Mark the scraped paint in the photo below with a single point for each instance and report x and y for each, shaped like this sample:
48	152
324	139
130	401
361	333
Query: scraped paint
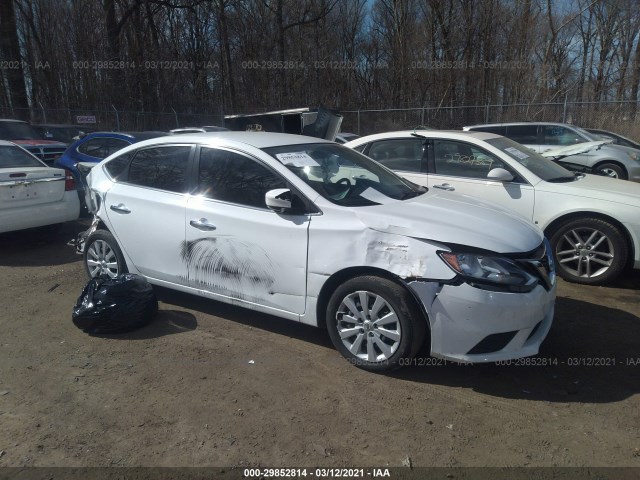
229	266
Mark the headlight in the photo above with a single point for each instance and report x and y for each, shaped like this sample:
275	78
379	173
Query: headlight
484	271
633	156
548	253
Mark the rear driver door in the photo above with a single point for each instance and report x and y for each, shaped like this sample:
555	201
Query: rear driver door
146	207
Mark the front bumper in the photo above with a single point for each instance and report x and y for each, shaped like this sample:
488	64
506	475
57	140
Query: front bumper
469	324
634	172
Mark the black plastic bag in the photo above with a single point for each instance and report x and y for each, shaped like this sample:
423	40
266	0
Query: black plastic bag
115	305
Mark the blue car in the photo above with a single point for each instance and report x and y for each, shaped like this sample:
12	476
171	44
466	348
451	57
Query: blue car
94	147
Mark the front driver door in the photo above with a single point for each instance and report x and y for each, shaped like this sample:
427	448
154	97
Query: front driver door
235	246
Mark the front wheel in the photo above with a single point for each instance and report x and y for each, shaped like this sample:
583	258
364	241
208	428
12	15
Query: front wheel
612	170
374	323
591	251
102	255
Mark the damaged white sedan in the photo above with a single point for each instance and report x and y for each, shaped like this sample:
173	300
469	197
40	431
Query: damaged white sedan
314	232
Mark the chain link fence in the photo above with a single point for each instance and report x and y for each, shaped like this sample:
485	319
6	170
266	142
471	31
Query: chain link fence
114	120
620	117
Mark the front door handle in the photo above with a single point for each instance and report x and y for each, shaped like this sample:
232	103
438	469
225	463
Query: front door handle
120	208
202	224
445	186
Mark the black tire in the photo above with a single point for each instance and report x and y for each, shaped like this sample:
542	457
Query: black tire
612	170
581	261
92	252
396	299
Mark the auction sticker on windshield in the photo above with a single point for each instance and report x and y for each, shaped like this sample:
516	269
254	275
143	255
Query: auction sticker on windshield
516	153
297	159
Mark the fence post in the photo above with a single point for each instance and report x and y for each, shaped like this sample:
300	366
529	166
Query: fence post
44	114
358	132
117	118
564	111
486	113
176	115
422	117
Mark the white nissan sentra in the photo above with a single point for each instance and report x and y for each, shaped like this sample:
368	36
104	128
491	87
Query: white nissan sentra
314	232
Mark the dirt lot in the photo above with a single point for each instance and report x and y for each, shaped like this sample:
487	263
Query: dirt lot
182	391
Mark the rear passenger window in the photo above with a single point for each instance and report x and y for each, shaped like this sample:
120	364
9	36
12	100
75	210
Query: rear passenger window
399	154
164	168
114	145
524	134
95	147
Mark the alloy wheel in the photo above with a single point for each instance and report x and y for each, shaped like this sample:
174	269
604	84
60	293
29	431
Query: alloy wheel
585	252
102	260
368	326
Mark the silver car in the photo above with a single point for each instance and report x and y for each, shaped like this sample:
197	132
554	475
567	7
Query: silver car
614	161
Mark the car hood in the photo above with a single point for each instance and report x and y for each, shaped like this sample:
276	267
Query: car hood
452	218
578	149
597	187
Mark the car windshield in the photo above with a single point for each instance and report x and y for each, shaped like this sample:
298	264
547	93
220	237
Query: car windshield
17	131
537	164
64	134
344	176
15	157
591	137
61	134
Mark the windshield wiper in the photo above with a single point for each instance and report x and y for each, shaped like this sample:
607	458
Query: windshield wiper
414	193
562	179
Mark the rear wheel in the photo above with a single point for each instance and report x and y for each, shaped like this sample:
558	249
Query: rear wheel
612	170
102	255
590	251
374	323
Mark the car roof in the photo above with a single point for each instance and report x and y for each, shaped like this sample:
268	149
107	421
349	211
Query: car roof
456	134
132	135
512	124
65	125
11	120
6	143
254	139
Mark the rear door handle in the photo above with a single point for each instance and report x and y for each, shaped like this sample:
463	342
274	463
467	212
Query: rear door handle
202	224
445	186
120	208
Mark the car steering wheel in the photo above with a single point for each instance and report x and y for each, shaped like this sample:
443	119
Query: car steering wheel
347	188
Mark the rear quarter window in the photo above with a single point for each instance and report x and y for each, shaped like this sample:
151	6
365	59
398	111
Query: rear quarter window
117	168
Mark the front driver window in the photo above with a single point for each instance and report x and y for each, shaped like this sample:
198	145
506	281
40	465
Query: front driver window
459	159
560	136
234	178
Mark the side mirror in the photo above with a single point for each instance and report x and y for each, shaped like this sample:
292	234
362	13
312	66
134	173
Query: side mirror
278	199
499	175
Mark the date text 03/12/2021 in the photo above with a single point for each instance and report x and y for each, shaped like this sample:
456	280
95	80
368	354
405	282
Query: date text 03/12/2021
316	472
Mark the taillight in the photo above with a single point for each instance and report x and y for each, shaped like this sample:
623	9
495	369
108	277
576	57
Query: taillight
69	183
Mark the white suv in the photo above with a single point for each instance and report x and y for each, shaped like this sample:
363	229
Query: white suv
312	231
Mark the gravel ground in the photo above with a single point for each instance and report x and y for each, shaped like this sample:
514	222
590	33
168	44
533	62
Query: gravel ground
208	384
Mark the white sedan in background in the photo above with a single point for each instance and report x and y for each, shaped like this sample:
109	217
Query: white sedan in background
593	222
311	231
33	194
